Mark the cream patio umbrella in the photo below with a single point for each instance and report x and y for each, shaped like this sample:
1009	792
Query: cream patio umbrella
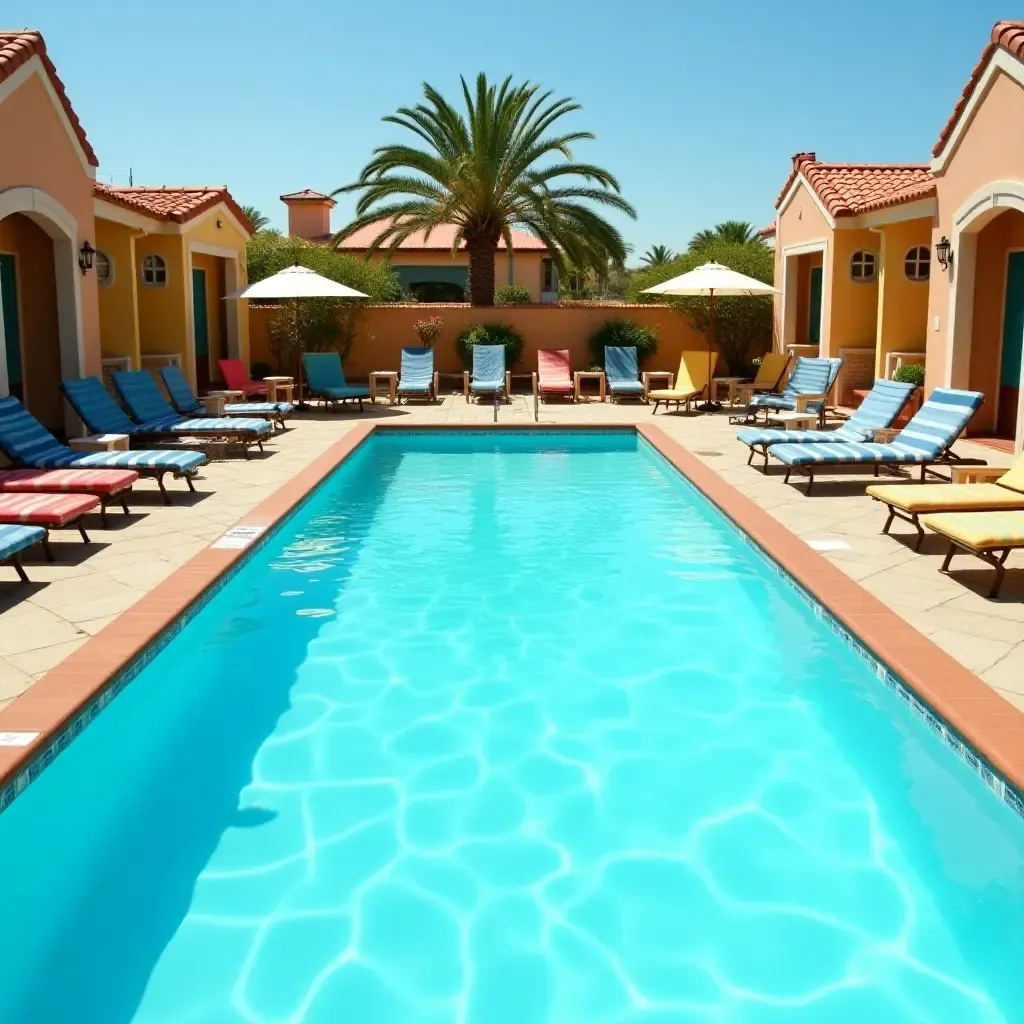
710	281
297	283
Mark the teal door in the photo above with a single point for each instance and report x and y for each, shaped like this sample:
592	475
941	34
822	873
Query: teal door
1013	345
202	326
12	324
814	310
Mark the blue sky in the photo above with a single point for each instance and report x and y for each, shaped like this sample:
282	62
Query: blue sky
697	108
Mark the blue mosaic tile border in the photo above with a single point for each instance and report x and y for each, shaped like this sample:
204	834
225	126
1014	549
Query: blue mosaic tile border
993	779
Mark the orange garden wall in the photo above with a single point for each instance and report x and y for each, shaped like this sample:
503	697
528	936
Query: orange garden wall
385	330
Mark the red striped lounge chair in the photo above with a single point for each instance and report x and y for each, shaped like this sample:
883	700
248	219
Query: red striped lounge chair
109	485
50	511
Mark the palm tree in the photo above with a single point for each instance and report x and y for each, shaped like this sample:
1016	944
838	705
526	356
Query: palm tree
739	231
486	171
658	254
256	219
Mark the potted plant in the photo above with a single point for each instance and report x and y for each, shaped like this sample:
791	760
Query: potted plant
429	330
911	373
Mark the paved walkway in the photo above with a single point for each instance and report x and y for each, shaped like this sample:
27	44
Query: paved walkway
67	602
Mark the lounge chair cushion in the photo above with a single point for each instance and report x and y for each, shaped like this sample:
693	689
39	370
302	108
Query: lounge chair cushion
45	509
691	377
769	373
186	402
416	375
101	482
554	371
962	497
622	369
326	376
16	538
1014	476
980	531
771	436
810	376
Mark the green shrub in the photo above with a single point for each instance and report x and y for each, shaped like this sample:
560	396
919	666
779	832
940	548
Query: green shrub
623	334
910	373
512	295
490	334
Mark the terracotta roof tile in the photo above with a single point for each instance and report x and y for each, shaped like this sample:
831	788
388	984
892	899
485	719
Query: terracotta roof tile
1006	35
768	231
308	193
847	190
16	48
440	240
171	204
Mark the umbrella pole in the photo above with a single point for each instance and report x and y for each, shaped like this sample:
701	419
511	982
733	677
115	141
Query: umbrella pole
710	406
295	334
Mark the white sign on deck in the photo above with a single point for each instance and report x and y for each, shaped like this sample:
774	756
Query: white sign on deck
17	739
238	537
827	544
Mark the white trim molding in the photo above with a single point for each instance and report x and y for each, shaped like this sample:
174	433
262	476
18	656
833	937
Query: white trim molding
918	209
788	319
104	210
799	181
232	284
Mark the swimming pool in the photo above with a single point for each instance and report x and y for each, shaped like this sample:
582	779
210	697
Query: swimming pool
506	728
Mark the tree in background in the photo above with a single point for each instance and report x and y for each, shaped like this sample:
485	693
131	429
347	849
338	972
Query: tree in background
496	167
740	232
257	219
656	255
743	325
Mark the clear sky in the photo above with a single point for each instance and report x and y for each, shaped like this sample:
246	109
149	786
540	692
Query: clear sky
697	107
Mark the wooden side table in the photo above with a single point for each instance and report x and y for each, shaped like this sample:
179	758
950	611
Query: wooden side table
391	376
229	397
279	389
790	420
581	375
716	382
100	443
213	405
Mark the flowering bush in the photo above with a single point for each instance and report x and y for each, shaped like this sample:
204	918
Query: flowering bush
429	330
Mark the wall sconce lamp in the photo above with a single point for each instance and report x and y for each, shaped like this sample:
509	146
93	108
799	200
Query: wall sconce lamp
85	257
943	253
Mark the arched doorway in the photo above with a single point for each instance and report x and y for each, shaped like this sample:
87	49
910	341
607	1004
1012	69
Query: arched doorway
40	301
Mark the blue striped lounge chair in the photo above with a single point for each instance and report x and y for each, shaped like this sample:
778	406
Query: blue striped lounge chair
325	379
15	539
924	441
622	372
811	381
185	402
417	377
489	376
884	402
26	442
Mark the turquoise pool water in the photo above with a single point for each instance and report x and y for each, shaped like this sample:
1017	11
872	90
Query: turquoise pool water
508	730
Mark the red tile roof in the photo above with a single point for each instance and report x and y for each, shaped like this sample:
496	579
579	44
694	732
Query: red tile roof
308	193
16	48
768	231
171	204
1006	35
441	239
847	190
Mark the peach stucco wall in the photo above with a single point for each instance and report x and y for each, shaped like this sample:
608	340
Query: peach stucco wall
52	163
542	327
902	303
802	223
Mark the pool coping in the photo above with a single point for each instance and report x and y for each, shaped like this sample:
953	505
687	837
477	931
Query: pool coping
63	697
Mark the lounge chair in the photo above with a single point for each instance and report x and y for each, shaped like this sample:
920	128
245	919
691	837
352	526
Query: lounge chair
155	419
48	511
417	378
809	383
489	375
28	444
623	372
325	379
990	536
16	539
185	402
554	374
108	485
884	402
767	379
974	489
690	381
924	441
236	378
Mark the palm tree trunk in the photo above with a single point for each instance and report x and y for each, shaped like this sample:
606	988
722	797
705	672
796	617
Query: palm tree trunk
481	274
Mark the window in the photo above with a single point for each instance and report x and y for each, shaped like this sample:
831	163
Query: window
550	284
154	271
918	263
104	269
863	266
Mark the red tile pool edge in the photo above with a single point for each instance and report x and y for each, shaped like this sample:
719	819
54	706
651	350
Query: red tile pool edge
992	726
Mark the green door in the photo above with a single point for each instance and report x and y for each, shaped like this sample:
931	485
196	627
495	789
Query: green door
814	312
202	326
1013	345
12	324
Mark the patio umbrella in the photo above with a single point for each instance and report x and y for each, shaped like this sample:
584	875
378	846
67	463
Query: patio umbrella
712	280
297	283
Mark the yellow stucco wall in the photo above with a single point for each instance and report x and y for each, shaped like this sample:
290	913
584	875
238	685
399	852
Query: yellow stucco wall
902	303
853	306
119	321
163	310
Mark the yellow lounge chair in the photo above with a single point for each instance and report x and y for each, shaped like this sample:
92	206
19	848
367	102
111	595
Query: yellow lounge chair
769	377
990	536
691	380
973	489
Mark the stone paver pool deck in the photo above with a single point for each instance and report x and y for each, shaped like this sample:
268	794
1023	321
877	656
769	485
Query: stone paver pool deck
67	602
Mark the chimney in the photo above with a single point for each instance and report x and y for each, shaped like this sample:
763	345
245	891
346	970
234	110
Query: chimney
309	214
799	159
